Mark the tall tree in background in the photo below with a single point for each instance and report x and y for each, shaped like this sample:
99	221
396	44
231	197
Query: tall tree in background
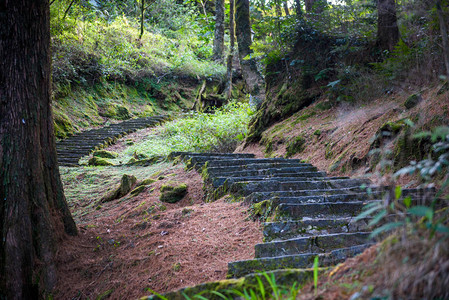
219	31
298	9
253	80
33	209
231	50
444	32
387	26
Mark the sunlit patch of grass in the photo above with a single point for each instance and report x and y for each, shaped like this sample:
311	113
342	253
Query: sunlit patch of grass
85	186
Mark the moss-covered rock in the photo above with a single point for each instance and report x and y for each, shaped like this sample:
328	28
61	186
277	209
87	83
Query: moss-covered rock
105	154
138	190
147	181
145	162
412	101
173	194
127	183
295	145
99	161
262	210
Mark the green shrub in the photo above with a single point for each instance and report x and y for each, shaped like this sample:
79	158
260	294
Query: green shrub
199	132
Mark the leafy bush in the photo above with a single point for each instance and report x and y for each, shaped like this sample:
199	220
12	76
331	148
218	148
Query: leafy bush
88	47
408	213
199	132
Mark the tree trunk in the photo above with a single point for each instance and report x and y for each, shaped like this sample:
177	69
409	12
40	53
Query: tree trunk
219	31
315	6
253	80
387	27
444	38
33	208
287	11
231	50
298	9
142	17
278	8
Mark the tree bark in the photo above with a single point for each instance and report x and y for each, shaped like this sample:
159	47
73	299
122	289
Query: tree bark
142	18
231	50
444	38
219	31
314	5
286	9
298	9
33	209
253	79
387	26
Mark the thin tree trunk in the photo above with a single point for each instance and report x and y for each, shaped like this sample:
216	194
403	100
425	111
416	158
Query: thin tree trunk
298	9
232	48
142	15
253	80
68	8
387	26
444	38
33	209
287	11
219	31
278	8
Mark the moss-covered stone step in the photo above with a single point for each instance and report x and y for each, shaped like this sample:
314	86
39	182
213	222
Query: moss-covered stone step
327	198
311	244
374	192
84	142
294	178
244	267
246	188
189	155
218	181
318	210
249	282
283	230
223	171
283	172
250	161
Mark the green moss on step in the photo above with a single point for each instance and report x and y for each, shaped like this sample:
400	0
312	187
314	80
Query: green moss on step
173	194
98	161
105	154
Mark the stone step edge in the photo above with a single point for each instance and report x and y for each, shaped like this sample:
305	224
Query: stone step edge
282	277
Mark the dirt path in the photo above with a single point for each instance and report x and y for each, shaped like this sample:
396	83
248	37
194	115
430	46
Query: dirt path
138	243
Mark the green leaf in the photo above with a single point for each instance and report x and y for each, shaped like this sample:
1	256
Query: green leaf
408	201
385	228
442	229
398	192
422	211
315	272
371	209
157	294
378	217
219	295
261	287
333	83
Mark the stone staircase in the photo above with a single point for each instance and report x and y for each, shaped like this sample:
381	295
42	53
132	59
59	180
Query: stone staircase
71	149
308	213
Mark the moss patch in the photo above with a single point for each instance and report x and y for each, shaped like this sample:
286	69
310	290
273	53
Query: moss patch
295	145
99	161
105	154
126	184
173	194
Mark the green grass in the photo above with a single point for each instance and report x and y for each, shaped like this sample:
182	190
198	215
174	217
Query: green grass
85	186
199	132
